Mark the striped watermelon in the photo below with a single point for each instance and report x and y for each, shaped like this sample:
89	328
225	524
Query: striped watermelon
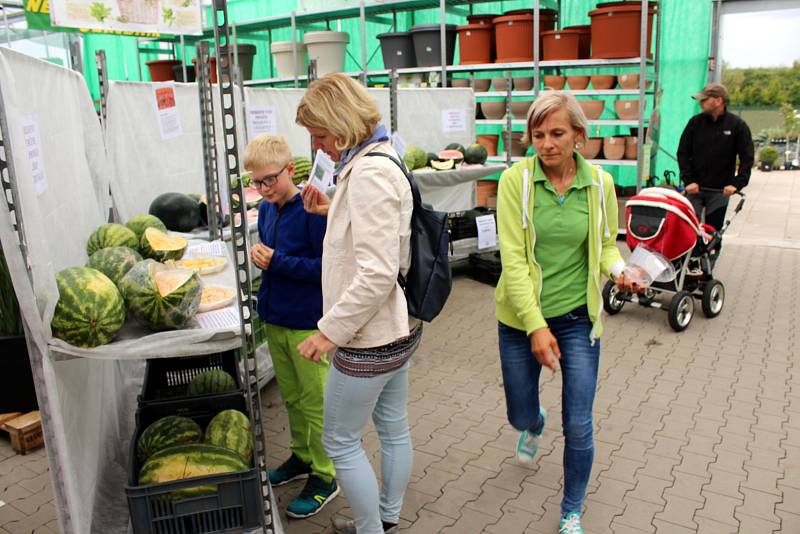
90	310
302	168
111	235
159	297
167	432
186	461
231	429
160	246
114	262
210	382
140	223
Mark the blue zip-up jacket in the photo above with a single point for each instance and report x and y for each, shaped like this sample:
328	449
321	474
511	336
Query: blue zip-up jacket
291	288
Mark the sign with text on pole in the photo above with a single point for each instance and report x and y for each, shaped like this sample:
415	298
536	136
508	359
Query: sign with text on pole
177	17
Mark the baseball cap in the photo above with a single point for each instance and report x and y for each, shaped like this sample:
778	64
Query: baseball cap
712	90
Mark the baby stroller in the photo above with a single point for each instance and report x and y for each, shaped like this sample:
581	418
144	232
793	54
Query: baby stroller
664	221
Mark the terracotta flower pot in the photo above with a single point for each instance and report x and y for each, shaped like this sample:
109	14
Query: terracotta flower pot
523	83
631	81
518	148
554	82
481	85
493	110
519	108
626	110
459	82
212	67
603	81
585	44
578	82
614	147
513	34
499	84
484	190
486	20
631	147
475	43
592	108
161	69
489	142
591	148
616	30
561	44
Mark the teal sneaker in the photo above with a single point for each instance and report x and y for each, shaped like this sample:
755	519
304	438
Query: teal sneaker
528	444
292	469
570	524
313	498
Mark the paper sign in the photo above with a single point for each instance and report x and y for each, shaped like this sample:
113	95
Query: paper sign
169	121
219	319
487	231
454	120
33	146
321	175
214	248
399	144
262	121
175	17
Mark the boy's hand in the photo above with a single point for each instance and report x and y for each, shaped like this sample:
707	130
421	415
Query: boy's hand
261	255
315	346
315	201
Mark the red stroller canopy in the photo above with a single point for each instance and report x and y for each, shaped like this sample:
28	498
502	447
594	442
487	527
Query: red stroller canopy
662	220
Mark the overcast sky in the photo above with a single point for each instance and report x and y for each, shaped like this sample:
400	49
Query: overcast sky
767	39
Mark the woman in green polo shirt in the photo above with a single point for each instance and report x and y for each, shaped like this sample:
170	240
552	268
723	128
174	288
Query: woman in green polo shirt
557	226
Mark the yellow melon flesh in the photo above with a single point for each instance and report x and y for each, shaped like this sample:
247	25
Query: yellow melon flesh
160	241
169	281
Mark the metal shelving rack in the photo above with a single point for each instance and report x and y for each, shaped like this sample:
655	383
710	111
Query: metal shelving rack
213	200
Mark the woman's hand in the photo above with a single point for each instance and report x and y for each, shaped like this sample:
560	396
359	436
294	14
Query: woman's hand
315	346
628	284
545	349
261	255
315	201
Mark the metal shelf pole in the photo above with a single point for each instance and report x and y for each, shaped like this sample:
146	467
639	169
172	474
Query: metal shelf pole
102	79
208	135
443	40
393	99
239	241
536	30
643	46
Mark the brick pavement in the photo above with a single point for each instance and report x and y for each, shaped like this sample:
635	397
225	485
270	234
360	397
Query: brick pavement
696	432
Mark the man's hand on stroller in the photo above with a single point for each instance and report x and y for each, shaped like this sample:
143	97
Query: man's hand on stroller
729	190
628	284
692	189
545	349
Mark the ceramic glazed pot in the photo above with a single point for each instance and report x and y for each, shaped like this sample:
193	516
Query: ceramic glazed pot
519	108
626	110
603	81
554	82
592	108
578	82
591	148
499	84
523	83
481	85
614	147
493	110
631	147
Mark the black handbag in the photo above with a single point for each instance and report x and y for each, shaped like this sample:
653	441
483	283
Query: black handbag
429	280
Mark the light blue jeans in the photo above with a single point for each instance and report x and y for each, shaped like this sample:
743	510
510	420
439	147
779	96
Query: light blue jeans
349	402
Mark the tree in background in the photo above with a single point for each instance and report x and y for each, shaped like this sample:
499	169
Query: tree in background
763	86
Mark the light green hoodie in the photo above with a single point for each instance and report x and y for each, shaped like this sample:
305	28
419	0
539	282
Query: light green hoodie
519	288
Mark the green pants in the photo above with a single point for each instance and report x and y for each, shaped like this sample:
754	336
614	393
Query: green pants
302	386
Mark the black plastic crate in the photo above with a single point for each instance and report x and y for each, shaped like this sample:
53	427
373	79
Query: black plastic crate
462	223
167	379
237	505
485	267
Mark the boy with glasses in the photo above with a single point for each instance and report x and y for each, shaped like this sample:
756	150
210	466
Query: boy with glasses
290	303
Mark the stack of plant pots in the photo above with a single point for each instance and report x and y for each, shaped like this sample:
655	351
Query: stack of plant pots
616	28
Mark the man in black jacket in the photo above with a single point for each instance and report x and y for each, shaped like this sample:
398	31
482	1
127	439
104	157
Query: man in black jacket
707	155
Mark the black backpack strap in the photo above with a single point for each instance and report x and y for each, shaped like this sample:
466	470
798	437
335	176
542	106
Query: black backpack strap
415	194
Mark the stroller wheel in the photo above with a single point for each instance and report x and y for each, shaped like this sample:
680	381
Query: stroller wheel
713	298
612	302
681	310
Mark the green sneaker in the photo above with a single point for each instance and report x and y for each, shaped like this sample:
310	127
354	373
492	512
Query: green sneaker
292	469
528	444
570	524
313	498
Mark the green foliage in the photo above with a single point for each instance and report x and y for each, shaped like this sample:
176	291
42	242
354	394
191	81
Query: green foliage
769	155
168	15
763	86
99	10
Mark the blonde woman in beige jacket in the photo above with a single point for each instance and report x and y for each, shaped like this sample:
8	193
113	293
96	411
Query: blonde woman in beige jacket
365	321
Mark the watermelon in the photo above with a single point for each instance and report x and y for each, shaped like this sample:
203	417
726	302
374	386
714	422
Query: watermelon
90	310
456	155
415	158
231	429
159	297
443	165
178	212
140	223
114	262
456	146
166	432
210	382
302	168
186	461
111	235
159	246
476	154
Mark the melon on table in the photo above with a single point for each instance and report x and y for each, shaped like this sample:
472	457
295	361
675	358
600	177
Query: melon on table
159	297
161	246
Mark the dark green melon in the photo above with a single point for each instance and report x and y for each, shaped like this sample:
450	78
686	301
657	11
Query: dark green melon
90	310
111	235
211	382
231	429
140	223
166	432
114	262
476	154
178	212
456	146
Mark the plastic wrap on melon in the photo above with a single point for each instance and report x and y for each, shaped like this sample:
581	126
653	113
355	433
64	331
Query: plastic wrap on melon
159	297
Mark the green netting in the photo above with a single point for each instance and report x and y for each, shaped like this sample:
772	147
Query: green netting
683	70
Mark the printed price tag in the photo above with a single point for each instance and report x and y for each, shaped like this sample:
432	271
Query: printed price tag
169	121
487	231
454	120
33	146
262	121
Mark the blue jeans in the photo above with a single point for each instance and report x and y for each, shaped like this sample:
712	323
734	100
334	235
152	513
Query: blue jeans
579	362
349	402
